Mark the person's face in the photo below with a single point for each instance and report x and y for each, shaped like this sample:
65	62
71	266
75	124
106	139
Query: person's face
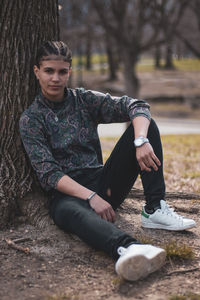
53	76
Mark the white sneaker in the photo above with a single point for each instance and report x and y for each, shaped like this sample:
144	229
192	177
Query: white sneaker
166	218
138	261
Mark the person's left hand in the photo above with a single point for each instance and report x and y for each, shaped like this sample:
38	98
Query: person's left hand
146	158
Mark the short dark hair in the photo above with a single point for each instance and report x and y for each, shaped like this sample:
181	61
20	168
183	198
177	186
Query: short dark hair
53	48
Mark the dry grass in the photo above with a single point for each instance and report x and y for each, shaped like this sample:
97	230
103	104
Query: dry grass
174	250
188	296
177	251
185	64
181	161
145	64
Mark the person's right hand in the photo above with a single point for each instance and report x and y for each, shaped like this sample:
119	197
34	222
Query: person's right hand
146	158
102	208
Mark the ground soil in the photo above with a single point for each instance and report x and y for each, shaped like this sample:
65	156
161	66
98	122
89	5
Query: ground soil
60	266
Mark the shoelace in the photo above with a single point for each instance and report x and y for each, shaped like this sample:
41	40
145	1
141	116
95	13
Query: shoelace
170	211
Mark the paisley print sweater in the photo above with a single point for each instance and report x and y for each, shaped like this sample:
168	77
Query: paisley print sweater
61	137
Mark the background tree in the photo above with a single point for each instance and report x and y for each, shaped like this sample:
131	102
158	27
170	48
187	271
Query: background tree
172	11
77	31
157	57
124	30
81	30
134	24
188	32
180	28
23	26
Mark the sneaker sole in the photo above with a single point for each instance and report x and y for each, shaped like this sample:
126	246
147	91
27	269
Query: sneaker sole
139	266
160	226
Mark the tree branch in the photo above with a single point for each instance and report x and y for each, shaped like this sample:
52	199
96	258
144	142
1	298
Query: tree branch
139	194
182	271
16	247
188	44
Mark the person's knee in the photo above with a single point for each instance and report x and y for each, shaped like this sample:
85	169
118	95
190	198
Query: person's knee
63	211
67	213
153	128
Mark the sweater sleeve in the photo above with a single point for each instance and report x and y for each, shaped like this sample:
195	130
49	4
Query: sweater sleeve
47	169
107	109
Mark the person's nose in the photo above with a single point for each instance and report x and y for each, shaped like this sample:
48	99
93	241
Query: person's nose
55	77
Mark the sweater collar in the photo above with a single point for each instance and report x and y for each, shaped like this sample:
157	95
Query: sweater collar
53	104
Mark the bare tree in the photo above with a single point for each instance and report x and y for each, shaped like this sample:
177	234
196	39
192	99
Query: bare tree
113	59
138	25
23	26
172	11
195	7
189	30
86	33
77	23
180	26
134	26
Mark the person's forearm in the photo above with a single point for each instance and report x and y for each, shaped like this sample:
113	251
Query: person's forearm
70	187
141	126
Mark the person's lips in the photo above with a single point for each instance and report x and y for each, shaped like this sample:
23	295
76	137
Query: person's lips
55	86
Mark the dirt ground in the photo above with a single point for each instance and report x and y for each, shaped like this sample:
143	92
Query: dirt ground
59	266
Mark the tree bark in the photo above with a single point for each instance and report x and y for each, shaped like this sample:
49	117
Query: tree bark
23	26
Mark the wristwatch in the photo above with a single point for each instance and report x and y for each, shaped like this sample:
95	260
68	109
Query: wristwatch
139	141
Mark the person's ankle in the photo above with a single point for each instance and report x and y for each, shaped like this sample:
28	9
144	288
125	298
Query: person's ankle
149	209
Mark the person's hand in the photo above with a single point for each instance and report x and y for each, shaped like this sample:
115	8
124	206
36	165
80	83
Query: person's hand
102	208
146	158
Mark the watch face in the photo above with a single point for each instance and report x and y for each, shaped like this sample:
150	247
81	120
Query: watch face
138	142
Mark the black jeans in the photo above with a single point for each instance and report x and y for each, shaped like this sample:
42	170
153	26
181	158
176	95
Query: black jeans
118	176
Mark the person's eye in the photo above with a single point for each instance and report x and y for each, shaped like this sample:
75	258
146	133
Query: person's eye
63	72
49	71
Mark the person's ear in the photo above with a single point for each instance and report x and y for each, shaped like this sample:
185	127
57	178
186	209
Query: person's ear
36	71
70	70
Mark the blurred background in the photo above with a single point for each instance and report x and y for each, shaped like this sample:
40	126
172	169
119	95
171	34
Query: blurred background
141	48
144	49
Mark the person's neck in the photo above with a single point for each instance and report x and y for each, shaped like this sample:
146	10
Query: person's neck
53	103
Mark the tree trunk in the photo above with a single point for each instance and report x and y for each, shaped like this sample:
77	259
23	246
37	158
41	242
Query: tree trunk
157	57
80	65
88	50
168	57
23	26
129	61
88	56
112	61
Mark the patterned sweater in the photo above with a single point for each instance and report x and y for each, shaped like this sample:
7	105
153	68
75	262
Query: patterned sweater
61	137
